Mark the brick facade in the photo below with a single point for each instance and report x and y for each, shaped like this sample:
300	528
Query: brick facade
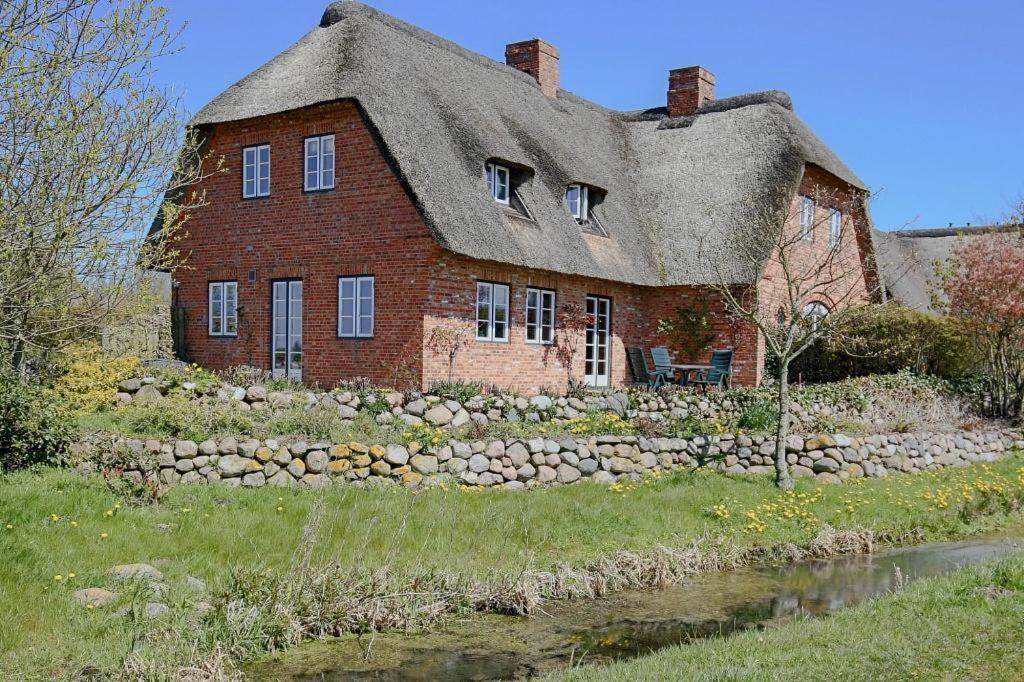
370	225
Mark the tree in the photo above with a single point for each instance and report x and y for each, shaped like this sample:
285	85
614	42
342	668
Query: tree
793	276
573	321
447	340
87	144
985	292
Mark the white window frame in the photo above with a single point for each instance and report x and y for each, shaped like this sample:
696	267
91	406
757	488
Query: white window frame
494	184
363	306
807	208
320	151
539	302
835	228
487	311
581	212
223	322
255	171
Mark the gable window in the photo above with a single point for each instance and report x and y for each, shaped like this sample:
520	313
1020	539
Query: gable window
497	182
223	308
491	312
256	171
807	219
835	228
319	163
355	307
540	316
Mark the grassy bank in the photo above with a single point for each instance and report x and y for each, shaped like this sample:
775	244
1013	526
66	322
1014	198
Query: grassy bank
966	626
54	523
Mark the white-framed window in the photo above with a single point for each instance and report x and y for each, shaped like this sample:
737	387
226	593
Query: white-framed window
355	307
835	228
497	182
491	312
577	198
319	168
223	308
815	312
256	171
807	219
540	316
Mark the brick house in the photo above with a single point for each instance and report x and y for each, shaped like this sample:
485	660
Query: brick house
381	181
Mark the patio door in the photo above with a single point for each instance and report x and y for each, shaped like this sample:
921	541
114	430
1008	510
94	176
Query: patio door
286	334
599	338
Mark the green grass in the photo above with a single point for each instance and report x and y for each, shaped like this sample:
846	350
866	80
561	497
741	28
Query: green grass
487	535
938	629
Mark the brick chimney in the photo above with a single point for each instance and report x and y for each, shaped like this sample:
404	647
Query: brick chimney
688	88
537	58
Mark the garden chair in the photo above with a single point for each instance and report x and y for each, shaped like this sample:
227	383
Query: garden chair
663	361
719	374
642	373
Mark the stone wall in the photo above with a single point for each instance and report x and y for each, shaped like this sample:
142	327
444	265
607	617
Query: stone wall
537	462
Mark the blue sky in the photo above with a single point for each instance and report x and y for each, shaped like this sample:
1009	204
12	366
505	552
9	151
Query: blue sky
923	100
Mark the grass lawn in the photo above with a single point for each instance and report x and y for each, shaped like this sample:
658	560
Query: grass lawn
55	523
965	626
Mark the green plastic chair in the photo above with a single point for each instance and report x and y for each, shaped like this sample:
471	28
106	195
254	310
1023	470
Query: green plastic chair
642	372
662	360
720	373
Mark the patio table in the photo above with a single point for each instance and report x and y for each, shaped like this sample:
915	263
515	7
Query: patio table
685	369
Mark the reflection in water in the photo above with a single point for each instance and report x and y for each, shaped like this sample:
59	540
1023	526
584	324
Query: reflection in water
634	624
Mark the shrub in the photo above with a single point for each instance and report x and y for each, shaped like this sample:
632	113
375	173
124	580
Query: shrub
458	390
759	415
35	427
599	424
885	339
87	377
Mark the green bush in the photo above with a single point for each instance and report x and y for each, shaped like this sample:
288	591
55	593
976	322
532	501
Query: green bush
759	415
35	427
458	390
885	339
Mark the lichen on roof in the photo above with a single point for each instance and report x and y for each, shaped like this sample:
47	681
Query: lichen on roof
442	111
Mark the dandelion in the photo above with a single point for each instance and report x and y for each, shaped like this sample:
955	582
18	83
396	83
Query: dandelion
90	606
58	578
9	526
103	536
71	575
280	509
74	524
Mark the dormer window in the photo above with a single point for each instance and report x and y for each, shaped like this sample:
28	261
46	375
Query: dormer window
578	199
497	183
581	201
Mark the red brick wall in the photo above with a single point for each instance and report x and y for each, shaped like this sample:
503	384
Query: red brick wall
366	225
369	225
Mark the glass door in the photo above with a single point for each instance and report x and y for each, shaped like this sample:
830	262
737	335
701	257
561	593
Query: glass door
598	354
286	334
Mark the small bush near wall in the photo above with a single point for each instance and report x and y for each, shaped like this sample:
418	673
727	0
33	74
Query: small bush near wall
86	377
34	426
883	339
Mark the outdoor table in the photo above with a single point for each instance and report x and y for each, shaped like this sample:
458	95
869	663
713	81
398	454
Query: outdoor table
686	369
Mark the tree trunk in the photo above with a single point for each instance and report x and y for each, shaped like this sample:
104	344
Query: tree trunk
783	479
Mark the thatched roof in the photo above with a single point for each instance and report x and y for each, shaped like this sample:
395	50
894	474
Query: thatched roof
907	260
442	111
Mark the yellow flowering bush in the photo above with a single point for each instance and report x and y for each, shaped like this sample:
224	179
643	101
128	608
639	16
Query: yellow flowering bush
425	434
600	424
88	377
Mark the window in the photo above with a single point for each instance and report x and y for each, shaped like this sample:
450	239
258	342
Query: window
355	307
814	313
319	163
540	316
835	228
491	312
497	182
256	171
223	308
807	219
578	199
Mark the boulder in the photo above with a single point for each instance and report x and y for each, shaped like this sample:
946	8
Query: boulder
424	464
396	455
147	395
254	480
256	394
135	572
94	596
567	474
234	465
439	415
316	461
479	464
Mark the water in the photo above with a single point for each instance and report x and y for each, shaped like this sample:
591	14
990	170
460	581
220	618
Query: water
627	624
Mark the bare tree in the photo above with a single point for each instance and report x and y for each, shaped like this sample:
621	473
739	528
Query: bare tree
447	339
87	144
800	262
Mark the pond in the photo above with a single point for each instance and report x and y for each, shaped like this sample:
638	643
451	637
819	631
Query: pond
626	624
